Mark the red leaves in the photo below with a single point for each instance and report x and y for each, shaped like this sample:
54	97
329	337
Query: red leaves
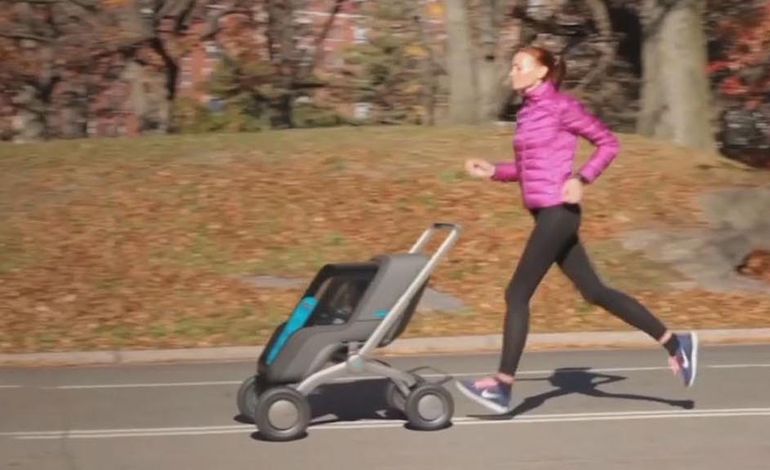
756	264
744	39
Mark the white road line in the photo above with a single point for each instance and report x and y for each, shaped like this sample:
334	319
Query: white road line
736	366
379	424
9	386
372	377
147	385
545	419
340	380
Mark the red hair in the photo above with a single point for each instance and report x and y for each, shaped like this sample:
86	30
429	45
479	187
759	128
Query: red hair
557	69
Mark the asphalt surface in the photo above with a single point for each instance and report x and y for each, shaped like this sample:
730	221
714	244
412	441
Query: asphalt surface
577	410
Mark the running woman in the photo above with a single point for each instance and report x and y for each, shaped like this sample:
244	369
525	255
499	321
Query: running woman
548	126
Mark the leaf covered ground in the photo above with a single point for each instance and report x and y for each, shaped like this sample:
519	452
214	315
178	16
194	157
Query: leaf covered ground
144	243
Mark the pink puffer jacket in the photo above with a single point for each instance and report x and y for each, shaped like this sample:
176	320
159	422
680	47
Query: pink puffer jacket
547	130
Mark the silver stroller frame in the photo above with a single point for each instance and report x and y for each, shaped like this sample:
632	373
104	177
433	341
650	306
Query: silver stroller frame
360	359
282	412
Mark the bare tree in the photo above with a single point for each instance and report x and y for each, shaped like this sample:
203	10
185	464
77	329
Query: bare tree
294	66
479	64
164	27
604	42
430	66
46	38
498	38
676	98
463	84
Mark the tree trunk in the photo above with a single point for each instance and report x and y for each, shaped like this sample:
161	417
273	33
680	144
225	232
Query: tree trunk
133	74
280	33
171	71
488	65
500	35
653	108
675	93
429	79
46	85
510	39
463	99
28	125
73	114
606	44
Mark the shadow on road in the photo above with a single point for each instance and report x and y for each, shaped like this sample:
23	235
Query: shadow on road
581	380
352	401
365	399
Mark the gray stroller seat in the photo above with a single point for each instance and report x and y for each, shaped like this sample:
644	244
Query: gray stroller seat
353	299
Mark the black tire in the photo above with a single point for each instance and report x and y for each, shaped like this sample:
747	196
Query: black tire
429	407
248	395
394	397
282	414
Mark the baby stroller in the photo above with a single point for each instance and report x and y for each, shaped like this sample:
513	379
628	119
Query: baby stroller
347	311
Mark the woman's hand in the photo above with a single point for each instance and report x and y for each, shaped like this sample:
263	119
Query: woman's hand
572	192
479	168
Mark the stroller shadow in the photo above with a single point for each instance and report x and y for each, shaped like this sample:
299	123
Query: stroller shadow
580	380
350	402
360	400
345	402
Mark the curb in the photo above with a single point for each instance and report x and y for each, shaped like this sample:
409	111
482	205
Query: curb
406	346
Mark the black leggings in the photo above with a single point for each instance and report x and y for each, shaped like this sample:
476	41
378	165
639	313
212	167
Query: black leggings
555	239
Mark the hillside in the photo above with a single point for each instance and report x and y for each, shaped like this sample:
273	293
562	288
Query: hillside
145	243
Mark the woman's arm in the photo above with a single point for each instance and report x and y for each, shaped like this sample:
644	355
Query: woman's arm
506	172
576	119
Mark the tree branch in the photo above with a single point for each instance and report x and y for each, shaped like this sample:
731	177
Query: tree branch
318	43
88	6
214	28
170	64
22	36
602	19
547	26
37	2
178	10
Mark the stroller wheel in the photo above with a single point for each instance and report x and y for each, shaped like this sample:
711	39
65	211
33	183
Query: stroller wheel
282	414
394	397
429	407
248	394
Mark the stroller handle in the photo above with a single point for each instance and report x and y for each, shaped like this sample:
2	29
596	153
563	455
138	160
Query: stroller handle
454	229
396	311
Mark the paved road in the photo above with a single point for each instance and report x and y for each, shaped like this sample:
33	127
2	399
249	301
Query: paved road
182	416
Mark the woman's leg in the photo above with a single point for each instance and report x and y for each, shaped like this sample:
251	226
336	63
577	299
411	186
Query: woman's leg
577	266
553	229
554	226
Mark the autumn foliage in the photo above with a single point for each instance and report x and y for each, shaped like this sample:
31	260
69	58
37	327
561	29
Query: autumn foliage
741	66
739	33
756	264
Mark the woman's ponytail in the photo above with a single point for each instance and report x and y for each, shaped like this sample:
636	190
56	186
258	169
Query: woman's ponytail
557	71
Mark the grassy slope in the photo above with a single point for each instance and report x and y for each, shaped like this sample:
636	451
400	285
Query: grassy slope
141	243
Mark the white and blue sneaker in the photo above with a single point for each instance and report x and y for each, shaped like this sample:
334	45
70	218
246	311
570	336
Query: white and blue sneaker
488	392
686	359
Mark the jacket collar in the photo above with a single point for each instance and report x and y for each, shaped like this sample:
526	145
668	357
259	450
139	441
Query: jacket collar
543	91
